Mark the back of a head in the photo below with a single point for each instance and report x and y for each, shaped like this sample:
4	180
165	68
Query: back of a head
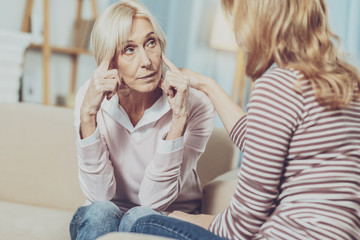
294	34
113	26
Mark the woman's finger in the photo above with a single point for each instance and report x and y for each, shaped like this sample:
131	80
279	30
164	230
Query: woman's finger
168	89
104	65
112	90
110	94
113	73
169	64
161	82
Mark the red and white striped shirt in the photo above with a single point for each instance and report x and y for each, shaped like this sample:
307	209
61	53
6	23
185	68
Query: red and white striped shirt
300	174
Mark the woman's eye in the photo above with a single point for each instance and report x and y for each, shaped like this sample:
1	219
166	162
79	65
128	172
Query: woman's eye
128	50
151	43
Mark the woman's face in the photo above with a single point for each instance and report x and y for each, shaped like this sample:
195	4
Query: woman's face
139	62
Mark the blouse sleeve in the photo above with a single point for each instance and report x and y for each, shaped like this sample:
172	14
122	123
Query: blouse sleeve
96	173
167	172
273	113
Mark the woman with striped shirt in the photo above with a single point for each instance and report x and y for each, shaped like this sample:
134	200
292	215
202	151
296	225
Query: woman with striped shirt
300	175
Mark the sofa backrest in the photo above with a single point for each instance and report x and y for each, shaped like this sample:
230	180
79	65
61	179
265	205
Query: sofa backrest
38	163
220	156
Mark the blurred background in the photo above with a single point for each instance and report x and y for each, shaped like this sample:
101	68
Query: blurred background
45	57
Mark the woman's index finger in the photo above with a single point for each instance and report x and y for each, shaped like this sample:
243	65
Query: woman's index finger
105	63
169	64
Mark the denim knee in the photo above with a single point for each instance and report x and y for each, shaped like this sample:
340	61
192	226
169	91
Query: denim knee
101	211
132	215
172	228
92	221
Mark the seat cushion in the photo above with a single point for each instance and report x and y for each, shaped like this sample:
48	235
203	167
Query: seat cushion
18	221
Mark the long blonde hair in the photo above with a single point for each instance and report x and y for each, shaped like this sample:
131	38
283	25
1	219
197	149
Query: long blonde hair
294	34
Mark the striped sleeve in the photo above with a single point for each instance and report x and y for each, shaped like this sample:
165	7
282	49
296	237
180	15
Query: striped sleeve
237	134
273	112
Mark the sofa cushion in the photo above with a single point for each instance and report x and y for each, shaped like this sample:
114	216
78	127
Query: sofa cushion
217	193
220	156
38	156
18	221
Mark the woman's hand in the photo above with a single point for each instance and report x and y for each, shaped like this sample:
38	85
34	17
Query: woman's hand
104	82
202	220
197	80
228	110
176	86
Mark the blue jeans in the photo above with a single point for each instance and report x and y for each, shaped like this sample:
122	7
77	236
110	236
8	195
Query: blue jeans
99	218
172	228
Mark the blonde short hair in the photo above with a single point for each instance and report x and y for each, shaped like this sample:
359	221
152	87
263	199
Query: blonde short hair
294	34
112	28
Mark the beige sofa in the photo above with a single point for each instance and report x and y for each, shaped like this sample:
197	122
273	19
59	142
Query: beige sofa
39	190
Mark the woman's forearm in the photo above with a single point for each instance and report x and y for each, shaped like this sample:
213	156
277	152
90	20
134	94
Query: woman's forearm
87	125
228	110
177	128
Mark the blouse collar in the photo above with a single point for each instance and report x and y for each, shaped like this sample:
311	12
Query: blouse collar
151	115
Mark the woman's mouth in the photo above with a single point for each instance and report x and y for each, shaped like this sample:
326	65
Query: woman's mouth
148	76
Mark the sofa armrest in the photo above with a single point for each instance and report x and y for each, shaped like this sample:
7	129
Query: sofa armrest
217	193
130	236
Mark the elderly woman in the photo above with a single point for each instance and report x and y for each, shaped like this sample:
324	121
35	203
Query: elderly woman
300	174
139	135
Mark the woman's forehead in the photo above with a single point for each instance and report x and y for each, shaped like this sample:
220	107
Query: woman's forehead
141	28
140	24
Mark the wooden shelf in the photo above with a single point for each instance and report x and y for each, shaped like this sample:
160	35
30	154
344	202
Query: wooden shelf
47	49
63	50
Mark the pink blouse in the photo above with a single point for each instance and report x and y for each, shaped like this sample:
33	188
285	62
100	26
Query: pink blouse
132	165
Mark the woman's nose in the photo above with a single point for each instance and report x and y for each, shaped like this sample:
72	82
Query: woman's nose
144	58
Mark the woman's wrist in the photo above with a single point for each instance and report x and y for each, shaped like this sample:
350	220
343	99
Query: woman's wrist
183	119
178	127
207	85
87	125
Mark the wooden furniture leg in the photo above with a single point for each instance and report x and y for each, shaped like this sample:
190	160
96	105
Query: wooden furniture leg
46	51
74	58
94	8
27	15
74	62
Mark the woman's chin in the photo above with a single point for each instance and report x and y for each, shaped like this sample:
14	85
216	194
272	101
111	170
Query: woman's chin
151	86
146	88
